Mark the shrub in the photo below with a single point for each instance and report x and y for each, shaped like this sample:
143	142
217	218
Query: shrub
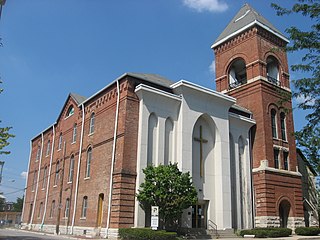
145	234
307	231
267	232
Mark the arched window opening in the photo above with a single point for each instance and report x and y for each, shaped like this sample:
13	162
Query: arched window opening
48	148
74	134
40	209
273	70
84	207
34	180
56	177
152	139
237	73
71	169
70	111
276	158
92	120
38	153
274	123
67	209
44	180
53	206
283	126
168	149
284	211
60	142
89	157
285	160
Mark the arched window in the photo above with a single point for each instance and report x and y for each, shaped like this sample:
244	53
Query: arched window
53	206
84	207
237	73
67	208
38	153
34	180
273	70
88	165
285	160
70	111
74	134
276	158
60	142
40	209
283	126
92	120
44	180
168	148
71	169
56	177
274	123
48	148
152	139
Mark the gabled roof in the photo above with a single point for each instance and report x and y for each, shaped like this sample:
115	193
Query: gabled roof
244	19
79	99
153	78
76	97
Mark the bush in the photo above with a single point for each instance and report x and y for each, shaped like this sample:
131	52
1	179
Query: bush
145	234
307	231
267	232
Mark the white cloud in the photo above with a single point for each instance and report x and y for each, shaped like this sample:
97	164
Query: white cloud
24	175
206	5
304	99
212	67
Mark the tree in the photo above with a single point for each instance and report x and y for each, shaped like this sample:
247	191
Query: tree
4	135
307	88
168	188
18	205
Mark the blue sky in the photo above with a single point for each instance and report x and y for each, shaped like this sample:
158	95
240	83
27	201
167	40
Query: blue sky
53	47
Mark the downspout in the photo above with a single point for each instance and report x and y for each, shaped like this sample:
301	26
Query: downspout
113	159
36	193
49	174
78	172
25	188
252	188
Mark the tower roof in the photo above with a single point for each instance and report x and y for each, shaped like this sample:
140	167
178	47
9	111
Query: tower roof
244	19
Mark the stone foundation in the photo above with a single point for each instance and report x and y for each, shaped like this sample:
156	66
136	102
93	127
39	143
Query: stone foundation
90	232
274	221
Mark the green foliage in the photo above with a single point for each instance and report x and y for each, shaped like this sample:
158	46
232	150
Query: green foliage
145	234
267	232
18	205
307	231
4	136
168	188
307	89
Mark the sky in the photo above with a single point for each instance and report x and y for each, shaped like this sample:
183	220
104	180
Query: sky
54	47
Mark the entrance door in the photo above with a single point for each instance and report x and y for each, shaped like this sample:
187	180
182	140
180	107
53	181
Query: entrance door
199	218
99	216
284	210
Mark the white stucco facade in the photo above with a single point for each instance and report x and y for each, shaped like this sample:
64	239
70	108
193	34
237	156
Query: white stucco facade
183	117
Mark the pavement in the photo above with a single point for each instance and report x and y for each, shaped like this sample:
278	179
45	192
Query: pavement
293	237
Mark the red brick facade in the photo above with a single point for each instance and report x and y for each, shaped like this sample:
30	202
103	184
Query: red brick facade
260	96
103	105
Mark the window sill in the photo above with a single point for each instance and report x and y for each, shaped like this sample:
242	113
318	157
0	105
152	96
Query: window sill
64	218
90	134
42	189
86	178
83	218
73	142
54	186
69	182
59	150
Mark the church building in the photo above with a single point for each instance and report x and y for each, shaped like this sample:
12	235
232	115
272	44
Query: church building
236	142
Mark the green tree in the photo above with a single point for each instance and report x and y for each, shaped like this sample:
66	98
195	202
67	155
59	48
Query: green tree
4	135
168	188
18	205
307	89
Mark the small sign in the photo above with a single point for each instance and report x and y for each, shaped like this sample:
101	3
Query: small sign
154	211
154	217
154	222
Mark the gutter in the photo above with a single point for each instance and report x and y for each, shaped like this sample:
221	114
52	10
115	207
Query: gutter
113	159
78	171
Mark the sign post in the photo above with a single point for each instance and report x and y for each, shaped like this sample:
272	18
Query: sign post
154	217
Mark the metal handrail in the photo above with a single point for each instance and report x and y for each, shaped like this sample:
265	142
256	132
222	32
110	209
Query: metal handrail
213	226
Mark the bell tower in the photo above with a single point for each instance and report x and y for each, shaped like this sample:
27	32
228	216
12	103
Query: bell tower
251	67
